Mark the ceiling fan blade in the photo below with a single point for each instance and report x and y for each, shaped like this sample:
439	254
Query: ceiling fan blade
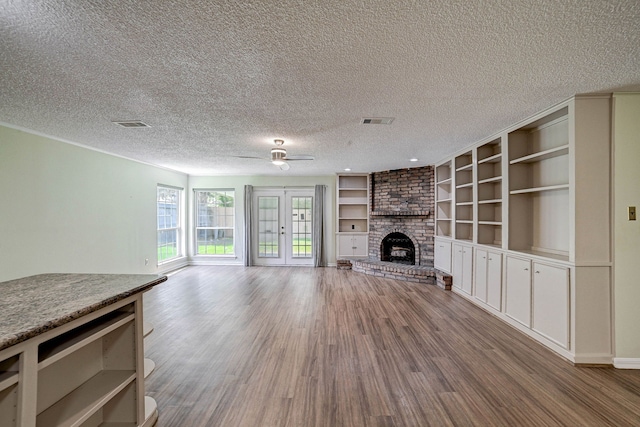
251	157
284	167
300	157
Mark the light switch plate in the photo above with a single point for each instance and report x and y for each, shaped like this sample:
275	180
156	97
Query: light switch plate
632	213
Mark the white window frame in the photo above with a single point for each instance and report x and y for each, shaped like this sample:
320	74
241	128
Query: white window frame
179	229
196	227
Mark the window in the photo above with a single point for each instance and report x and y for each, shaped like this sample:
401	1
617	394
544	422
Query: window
215	219
169	223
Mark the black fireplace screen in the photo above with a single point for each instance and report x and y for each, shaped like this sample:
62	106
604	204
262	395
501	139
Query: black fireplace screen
397	247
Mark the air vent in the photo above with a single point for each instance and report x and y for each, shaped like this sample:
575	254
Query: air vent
377	120
132	124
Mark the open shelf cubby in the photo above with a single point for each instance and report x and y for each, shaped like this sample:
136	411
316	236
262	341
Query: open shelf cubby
82	371
539	186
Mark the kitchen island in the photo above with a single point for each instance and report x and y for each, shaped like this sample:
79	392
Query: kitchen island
71	351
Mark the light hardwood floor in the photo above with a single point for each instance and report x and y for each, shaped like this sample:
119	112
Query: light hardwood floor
271	346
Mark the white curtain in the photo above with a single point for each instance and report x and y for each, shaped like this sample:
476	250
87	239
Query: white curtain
318	227
248	227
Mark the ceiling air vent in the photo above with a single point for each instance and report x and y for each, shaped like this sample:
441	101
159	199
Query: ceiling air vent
377	120
132	124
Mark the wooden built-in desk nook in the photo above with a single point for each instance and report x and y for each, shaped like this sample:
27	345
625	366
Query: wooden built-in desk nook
71	351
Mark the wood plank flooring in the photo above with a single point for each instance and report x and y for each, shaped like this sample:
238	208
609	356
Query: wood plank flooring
274	346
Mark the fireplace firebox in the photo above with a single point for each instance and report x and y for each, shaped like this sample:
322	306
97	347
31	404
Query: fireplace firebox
398	247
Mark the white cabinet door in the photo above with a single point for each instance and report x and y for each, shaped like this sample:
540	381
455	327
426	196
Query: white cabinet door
551	302
467	272
345	245
462	268
353	245
457	266
360	245
518	290
442	256
480	276
494	280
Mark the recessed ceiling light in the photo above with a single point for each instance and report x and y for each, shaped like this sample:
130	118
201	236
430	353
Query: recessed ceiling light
413	160
347	169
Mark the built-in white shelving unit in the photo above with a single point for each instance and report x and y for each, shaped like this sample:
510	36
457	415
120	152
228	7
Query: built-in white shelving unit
444	200
352	215
532	204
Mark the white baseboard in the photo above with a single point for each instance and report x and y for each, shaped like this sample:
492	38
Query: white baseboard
626	363
593	359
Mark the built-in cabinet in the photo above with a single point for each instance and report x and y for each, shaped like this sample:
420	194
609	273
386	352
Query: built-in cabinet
462	265
85	373
488	277
352	215
531	204
442	256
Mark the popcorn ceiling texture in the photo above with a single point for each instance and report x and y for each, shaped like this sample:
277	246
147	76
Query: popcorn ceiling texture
224	78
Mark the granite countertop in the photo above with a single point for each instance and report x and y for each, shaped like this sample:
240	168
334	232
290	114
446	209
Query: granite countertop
36	304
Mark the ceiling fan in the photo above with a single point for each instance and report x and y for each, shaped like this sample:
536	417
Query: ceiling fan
279	156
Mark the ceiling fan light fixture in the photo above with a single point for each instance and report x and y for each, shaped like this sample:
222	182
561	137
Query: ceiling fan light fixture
278	156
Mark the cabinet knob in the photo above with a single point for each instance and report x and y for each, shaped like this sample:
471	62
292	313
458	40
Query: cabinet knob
484	257
526	269
490	259
537	272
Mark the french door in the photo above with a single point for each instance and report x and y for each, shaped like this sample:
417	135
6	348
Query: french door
283	227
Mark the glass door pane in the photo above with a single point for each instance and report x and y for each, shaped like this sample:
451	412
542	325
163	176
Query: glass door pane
268	226
301	223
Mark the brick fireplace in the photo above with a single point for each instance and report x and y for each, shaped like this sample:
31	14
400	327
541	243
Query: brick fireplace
401	228
402	202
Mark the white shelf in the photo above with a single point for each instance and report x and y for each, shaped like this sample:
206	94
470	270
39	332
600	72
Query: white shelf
352	217
149	367
79	405
7	379
464	204
540	189
488	180
150	412
444	200
542	155
353	201
353	189
59	347
443	219
490	222
147	328
465	167
492	159
468	184
444	181
464	221
488	202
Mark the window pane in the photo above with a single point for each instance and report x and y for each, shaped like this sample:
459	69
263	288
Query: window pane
168	220
215	214
301	242
268	227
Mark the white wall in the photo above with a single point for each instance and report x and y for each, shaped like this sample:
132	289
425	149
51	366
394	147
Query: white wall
237	183
626	139
66	208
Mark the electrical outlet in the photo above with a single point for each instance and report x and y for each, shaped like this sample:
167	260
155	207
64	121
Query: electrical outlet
632	213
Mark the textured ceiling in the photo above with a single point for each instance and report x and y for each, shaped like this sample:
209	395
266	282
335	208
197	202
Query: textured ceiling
217	79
